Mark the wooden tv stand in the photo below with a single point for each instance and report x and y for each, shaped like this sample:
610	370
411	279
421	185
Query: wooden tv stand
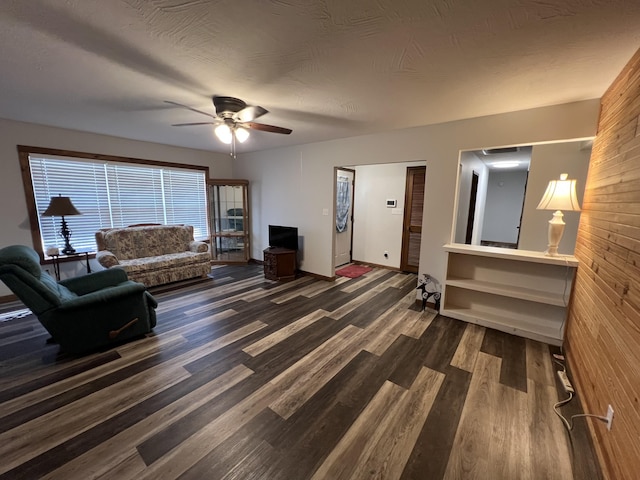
279	263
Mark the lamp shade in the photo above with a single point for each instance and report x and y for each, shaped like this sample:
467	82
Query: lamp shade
242	134
223	132
560	195
60	207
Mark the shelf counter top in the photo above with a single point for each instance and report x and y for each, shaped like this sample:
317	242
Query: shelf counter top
511	254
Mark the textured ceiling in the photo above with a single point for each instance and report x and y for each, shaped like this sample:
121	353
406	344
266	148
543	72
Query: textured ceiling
325	68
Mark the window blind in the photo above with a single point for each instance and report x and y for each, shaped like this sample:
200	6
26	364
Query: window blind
114	194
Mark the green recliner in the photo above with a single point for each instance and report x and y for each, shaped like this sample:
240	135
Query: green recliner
81	313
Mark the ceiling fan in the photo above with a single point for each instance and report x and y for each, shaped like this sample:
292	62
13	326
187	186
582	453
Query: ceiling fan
233	119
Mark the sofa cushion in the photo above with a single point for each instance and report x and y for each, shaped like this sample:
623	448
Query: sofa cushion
146	241
167	261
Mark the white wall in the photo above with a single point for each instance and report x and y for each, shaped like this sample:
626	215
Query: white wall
503	207
13	207
377	228
547	163
470	163
293	185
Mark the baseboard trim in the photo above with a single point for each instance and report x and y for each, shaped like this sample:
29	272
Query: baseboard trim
319	277
8	298
333	278
376	265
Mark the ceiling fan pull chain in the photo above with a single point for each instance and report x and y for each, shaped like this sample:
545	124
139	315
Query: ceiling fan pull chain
233	145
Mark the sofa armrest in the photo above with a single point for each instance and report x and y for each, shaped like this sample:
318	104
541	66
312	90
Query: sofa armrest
196	246
107	259
106	295
95	281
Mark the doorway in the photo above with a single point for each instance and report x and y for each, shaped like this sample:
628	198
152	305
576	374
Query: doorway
504	206
343	231
412	224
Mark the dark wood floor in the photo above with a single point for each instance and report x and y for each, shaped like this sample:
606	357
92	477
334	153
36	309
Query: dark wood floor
245	378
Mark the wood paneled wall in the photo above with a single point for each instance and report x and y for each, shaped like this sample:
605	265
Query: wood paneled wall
603	331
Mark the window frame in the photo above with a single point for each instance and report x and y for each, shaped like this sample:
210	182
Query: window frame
23	156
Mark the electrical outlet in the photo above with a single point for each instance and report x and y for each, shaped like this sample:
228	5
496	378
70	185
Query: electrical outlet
609	417
564	380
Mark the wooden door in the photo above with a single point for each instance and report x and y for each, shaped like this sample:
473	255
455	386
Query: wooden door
471	216
412	225
524	196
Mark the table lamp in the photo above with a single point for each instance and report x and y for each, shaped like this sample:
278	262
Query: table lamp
61	207
560	195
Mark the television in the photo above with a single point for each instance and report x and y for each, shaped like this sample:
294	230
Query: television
284	237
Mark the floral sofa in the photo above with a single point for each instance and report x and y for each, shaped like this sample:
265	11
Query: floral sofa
154	254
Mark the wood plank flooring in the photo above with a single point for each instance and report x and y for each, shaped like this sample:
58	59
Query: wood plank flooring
245	378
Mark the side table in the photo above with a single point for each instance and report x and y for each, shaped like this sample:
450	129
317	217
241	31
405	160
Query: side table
279	263
55	260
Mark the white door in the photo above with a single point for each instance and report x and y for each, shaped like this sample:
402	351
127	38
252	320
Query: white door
344	210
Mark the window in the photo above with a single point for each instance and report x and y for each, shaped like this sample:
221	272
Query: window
113	193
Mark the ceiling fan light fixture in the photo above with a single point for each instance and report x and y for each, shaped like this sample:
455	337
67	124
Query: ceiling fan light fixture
223	132
242	134
233	120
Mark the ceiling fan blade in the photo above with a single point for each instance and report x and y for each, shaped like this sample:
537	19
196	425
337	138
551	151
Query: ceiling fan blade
189	124
250	113
190	108
268	128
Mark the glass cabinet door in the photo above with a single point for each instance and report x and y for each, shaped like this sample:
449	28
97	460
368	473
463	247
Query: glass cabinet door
229	220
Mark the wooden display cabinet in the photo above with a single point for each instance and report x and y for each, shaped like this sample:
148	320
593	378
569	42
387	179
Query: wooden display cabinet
229	220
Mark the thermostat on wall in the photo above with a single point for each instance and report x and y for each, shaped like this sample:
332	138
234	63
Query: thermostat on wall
391	203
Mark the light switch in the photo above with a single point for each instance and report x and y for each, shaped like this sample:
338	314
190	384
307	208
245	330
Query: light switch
325	211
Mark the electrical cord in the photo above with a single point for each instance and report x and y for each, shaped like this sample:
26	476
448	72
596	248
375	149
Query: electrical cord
569	423
556	359
564	293
566	282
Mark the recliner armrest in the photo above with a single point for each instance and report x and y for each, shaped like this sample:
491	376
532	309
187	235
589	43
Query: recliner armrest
106	295
95	281
151	300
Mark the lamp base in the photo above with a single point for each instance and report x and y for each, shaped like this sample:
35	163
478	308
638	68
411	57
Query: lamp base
66	234
556	229
551	251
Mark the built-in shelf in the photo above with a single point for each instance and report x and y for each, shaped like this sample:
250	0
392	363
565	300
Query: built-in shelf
516	291
552	298
542	333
